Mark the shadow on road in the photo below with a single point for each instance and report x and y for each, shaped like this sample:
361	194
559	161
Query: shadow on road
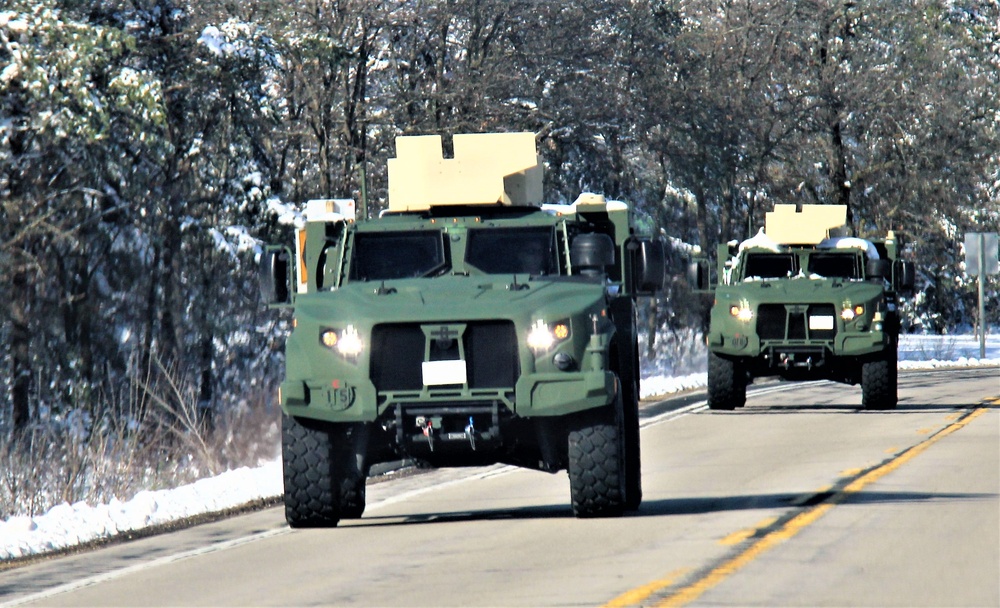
903	407
672	506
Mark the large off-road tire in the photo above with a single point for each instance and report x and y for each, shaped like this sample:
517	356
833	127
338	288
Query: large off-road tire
352	497
626	366
879	382
727	383
633	455
321	477
596	466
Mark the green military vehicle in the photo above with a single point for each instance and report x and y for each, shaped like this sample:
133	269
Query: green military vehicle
467	325
800	302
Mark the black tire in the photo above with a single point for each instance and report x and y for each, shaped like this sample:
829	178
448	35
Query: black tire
596	466
626	349
727	383
633	454
322	483
879	383
353	498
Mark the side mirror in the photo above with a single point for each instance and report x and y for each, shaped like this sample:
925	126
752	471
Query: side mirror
698	274
592	253
275	276
649	266
904	276
878	269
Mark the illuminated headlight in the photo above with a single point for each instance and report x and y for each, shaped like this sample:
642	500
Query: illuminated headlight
347	341
350	342
542	336
849	313
743	313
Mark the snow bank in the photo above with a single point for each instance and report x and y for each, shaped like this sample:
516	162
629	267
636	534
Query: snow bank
68	525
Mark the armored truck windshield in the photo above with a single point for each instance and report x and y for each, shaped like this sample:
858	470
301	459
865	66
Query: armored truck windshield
835	265
832	265
379	256
770	265
391	255
513	250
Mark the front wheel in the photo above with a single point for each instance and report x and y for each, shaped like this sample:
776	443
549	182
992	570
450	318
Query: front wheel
727	383
322	479
878	382
353	497
596	466
633	453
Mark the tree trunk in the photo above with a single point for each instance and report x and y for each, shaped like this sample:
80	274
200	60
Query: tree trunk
20	345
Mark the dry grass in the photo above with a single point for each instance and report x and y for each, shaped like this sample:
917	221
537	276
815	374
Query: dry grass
153	436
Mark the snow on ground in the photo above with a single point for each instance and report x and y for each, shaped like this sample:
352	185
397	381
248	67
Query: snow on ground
68	525
915	352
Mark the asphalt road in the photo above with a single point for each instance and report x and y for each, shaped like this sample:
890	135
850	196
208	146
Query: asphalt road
798	499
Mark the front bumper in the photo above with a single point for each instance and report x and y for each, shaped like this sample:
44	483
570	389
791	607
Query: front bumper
538	394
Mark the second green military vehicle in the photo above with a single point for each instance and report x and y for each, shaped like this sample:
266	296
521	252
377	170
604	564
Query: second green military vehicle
800	302
468	325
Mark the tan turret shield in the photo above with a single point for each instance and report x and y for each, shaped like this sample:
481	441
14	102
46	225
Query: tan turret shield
809	226
487	168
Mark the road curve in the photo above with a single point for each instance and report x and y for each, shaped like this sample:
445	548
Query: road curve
800	498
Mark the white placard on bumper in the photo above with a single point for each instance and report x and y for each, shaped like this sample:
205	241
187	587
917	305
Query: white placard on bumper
821	322
437	373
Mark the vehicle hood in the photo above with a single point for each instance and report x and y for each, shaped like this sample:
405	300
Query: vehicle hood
800	290
452	298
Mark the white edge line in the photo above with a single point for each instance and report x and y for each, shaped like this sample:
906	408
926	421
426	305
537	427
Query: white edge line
703	405
113	574
229	544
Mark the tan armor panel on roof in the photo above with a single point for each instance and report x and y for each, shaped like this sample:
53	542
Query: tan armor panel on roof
787	226
488	168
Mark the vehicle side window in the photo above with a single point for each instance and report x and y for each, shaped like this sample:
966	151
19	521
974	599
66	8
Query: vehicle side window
378	256
770	265
512	251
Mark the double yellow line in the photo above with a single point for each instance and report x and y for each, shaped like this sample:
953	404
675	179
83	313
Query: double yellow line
774	532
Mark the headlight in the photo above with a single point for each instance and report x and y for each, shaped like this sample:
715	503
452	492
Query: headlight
329	338
347	341
350	342
542	336
849	313
743	313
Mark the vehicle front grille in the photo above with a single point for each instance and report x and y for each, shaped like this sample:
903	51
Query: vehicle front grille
489	348
791	322
397	353
771	321
491	354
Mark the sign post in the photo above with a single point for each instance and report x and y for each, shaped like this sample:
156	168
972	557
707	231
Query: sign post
981	259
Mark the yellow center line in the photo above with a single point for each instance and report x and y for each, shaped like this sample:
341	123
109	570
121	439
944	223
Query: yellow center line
741	535
787	530
637	595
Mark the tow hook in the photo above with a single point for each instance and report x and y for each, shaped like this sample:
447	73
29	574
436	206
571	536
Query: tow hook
470	432
427	427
